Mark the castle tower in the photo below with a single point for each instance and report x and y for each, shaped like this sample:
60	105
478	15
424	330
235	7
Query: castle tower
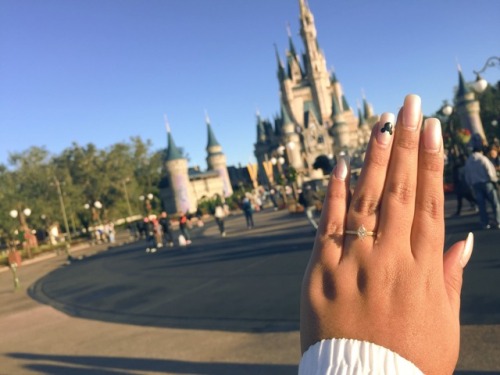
216	160
291	140
317	73
467	107
177	196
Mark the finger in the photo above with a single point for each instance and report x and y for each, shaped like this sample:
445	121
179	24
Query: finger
329	239
455	260
427	236
365	202
398	200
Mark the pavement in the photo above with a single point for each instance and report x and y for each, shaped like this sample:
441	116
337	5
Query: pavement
219	306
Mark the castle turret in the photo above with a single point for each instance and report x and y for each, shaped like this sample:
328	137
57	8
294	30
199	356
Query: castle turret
176	195
294	69
216	160
467	107
291	140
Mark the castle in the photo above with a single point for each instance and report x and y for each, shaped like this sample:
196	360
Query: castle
315	121
315	118
182	187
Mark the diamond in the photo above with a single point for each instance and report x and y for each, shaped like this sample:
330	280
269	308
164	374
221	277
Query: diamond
362	232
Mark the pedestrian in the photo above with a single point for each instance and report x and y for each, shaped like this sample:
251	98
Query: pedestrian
495	159
272	196
220	214
199	217
166	226
481	176
111	232
158	232
150	235
184	227
460	186
308	198
246	206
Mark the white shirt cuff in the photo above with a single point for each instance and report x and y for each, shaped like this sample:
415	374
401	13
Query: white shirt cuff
349	357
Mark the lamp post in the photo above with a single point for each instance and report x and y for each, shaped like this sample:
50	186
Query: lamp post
480	84
22	215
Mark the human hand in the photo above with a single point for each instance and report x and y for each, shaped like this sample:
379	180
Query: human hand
394	289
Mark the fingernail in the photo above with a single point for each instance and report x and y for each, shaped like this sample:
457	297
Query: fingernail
432	135
385	129
467	251
342	168
411	112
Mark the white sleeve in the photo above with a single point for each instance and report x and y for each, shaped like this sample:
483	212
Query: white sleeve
353	357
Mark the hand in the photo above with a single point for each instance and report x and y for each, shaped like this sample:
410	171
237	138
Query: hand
394	289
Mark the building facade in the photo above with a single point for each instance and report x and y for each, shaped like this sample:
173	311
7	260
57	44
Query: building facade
315	118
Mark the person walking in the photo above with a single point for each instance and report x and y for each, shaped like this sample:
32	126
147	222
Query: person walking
308	198
272	196
461	188
220	214
184	228
247	208
166	226
150	235
481	176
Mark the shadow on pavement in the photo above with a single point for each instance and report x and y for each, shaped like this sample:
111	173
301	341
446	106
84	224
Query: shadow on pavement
91	365
247	282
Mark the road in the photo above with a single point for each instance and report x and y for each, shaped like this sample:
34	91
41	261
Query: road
220	306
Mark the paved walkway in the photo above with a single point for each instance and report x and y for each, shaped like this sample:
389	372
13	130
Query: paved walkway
180	313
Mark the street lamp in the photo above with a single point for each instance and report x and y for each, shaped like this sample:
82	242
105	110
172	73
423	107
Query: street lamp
22	215
480	84
447	109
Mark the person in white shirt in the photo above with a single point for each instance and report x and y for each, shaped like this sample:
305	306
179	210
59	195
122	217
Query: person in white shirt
481	176
378	295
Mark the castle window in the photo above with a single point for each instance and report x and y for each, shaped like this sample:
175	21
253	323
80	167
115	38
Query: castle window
321	139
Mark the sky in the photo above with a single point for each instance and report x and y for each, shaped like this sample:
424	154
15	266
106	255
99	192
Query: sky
102	71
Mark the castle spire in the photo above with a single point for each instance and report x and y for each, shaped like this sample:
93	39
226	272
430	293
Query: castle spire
173	152
462	86
261	132
360	116
345	105
281	68
293	51
212	141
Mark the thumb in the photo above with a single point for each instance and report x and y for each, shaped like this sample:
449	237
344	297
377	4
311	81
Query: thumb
455	260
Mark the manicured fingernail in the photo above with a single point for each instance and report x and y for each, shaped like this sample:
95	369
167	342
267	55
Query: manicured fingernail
467	251
432	135
411	112
342	168
385	129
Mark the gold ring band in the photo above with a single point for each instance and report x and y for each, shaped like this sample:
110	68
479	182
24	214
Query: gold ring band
361	232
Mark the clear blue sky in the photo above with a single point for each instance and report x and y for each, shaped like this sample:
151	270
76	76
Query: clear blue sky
102	71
